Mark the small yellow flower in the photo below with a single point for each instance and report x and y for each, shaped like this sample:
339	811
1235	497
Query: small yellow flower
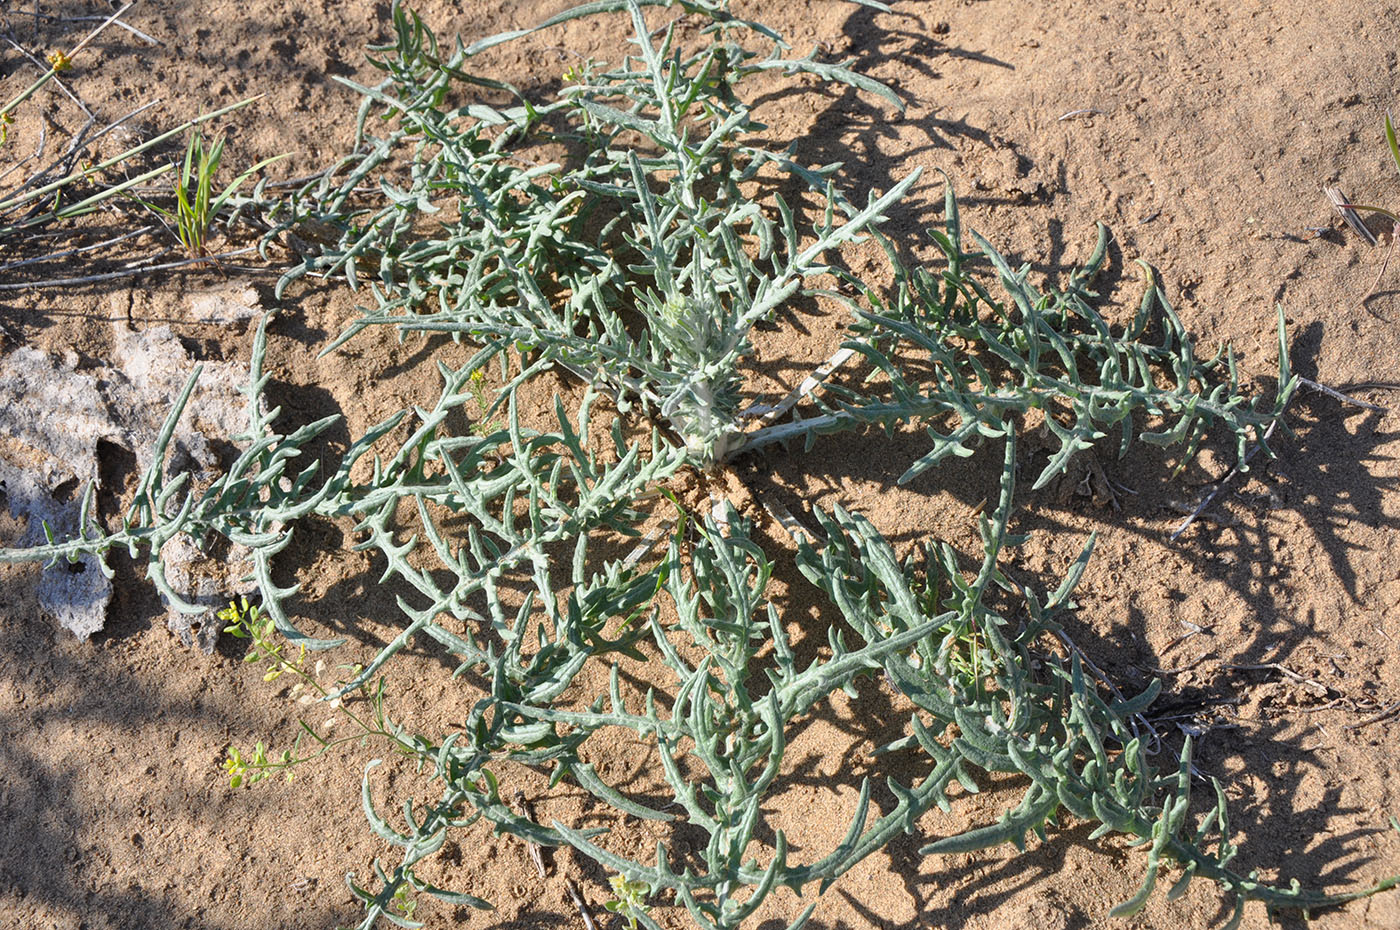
60	61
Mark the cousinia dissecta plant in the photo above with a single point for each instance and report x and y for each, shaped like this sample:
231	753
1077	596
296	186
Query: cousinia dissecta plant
654	220
640	267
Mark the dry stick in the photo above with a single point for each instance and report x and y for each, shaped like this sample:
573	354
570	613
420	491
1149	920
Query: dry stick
1352	218
786	520
1220	485
648	542
98	31
1330	705
718	513
129	272
1375	718
252	269
49	17
527	810
69	157
1180	668
84	141
808	385
87	248
115	22
1316	687
122	119
1338	395
1375	386
1192	629
572	887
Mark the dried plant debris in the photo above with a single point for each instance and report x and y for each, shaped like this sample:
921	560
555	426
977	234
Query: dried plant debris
49	470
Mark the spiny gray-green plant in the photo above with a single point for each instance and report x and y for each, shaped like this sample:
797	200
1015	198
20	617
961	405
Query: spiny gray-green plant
979	361
654	218
639	262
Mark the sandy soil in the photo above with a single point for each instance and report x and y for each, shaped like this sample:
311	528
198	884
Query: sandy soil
1200	131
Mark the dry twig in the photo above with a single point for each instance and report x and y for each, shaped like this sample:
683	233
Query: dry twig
124	273
1338	395
769	416
572	887
1316	687
1192	629
1353	219
1375	718
1220	485
527	810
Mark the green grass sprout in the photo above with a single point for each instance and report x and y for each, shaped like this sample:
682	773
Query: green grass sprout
196	204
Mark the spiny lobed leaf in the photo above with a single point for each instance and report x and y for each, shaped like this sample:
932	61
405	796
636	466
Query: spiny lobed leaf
641	266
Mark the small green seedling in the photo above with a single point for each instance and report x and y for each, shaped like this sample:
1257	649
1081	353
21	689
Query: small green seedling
196	205
248	621
629	899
